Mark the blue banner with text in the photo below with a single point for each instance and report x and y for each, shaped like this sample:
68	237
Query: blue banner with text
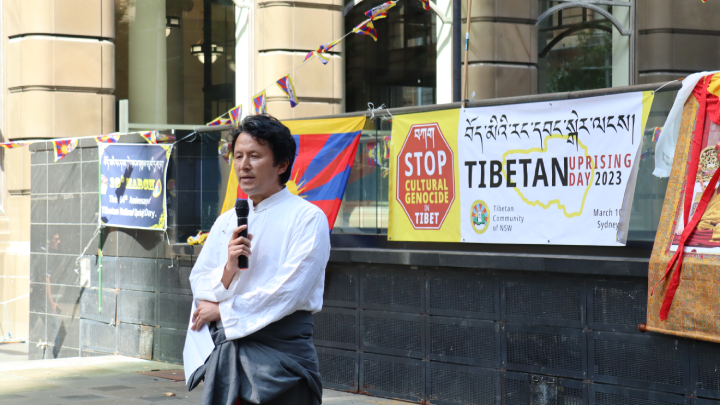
132	185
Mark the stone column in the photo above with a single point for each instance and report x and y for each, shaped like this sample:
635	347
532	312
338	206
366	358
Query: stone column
676	38
284	32
147	77
175	82
58	65
503	48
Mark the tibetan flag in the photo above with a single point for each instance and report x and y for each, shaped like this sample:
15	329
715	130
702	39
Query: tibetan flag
370	152
656	134
150	136
288	87
426	4
259	103
326	150
380	11
324	48
110	138
64	147
308	56
366	28
386	142
324	59
327	47
11	145
224	150
235	115
219	121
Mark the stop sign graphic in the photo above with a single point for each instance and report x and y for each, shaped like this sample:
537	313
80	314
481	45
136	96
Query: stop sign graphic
425	176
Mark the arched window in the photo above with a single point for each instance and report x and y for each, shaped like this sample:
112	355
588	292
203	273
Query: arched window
584	44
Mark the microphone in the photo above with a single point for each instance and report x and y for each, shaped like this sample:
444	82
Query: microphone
242	209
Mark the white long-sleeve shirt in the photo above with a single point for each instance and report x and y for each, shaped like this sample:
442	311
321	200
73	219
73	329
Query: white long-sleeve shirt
286	270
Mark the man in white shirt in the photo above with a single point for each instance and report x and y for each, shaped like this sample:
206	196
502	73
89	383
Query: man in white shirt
259	319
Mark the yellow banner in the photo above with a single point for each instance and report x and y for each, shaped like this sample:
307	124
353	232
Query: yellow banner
425	199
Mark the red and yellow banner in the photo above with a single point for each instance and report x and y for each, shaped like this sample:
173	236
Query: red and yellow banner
685	263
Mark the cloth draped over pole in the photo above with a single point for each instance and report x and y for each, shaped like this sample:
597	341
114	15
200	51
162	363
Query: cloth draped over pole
685	262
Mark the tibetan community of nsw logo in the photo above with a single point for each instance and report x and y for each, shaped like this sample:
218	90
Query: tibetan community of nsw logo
480	216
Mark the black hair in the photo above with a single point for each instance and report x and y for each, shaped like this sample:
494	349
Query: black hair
268	130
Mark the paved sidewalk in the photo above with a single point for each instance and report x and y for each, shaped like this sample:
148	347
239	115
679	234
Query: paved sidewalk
13	352
114	380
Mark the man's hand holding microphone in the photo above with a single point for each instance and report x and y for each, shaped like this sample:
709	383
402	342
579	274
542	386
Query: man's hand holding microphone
238	253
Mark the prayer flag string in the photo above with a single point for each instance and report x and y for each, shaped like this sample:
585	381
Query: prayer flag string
364	28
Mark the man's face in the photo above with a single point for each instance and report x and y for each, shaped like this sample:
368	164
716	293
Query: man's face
255	168
55	242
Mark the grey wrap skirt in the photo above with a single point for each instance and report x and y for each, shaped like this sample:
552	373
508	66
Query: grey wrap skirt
259	367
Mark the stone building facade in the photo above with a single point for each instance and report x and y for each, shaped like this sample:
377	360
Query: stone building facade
63	73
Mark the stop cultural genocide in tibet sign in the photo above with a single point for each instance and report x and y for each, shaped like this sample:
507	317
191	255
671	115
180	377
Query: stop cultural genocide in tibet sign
425	176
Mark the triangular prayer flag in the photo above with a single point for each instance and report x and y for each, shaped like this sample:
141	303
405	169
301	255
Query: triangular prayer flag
109	138
288	87
259	103
219	121
224	150
366	28
63	147
150	136
235	115
370	153
328	46
324	48
11	145
308	56
656	134
324	59
380	11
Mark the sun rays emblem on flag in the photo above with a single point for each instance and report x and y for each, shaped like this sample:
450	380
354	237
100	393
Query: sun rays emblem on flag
63	147
295	188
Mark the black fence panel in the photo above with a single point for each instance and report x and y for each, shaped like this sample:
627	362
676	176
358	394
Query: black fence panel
705	369
447	336
642	361
341	287
392	377
391	333
601	394
338	368
545	350
397	290
542	301
470	294
464	341
450	384
337	327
